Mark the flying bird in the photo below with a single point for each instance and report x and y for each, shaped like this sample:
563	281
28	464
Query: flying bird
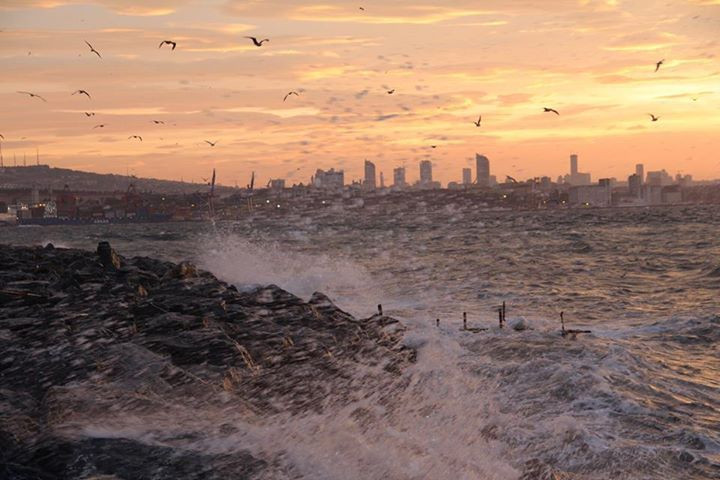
258	43
291	93
212	144
92	50
546	109
390	92
433	146
158	122
82	92
657	65
102	125
1	136
89	114
362	8
477	124
168	42
32	95
510	179
653	117
135	136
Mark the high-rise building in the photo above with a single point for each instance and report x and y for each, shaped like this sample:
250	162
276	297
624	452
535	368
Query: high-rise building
640	172
635	185
573	164
576	177
369	182
399	177
425	172
467	176
482	165
382	180
330	179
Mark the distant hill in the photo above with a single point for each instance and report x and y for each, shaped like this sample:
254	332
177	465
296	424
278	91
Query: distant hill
43	176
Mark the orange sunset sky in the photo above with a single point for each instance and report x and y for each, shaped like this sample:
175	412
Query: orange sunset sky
448	62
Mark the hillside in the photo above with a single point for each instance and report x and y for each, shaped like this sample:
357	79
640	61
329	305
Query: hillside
44	176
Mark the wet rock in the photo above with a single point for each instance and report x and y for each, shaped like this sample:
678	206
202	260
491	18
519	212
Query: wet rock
107	255
123	340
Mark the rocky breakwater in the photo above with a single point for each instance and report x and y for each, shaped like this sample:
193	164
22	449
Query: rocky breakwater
115	367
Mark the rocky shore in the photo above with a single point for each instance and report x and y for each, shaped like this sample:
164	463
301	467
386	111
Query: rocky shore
92	343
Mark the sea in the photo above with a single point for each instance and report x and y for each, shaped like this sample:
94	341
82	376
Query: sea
636	398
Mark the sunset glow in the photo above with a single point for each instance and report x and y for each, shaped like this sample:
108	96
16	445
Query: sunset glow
448	62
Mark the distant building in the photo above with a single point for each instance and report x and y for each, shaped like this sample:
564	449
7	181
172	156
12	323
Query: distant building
599	195
369	182
382	180
659	178
576	177
466	176
330	179
482	165
399	177
635	185
426	172
640	172
277	184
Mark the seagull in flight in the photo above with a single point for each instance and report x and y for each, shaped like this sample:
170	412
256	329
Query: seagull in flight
258	43
212	144
546	110
92	50
135	136
390	92
89	114
102	125
653	117
291	93
32	95
168	42
657	65
510	179
82	92
433	146
477	124
1	136
158	122
362	8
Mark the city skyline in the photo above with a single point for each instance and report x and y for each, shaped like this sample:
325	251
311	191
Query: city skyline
342	63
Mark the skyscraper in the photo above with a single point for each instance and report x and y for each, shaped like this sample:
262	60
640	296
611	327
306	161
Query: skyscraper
483	170
425	172
573	165
369	182
640	172
399	177
467	176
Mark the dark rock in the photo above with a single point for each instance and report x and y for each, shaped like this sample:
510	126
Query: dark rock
107	255
122	340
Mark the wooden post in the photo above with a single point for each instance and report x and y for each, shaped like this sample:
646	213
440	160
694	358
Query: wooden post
562	323
380	309
500	316
503	311
464	320
437	322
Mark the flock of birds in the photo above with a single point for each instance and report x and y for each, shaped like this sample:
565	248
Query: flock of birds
259	43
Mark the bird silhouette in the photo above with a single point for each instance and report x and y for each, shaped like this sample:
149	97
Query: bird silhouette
390	92
92	50
89	114
362	8
102	125
168	42
32	95
510	179
291	93
82	92
258	43
1	136
546	109
158	122
212	144
135	136
433	146
657	65
653	117
477	124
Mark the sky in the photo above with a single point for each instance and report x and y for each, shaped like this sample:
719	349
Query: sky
448	62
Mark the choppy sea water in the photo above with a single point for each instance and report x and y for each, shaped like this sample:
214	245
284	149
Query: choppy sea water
639	398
